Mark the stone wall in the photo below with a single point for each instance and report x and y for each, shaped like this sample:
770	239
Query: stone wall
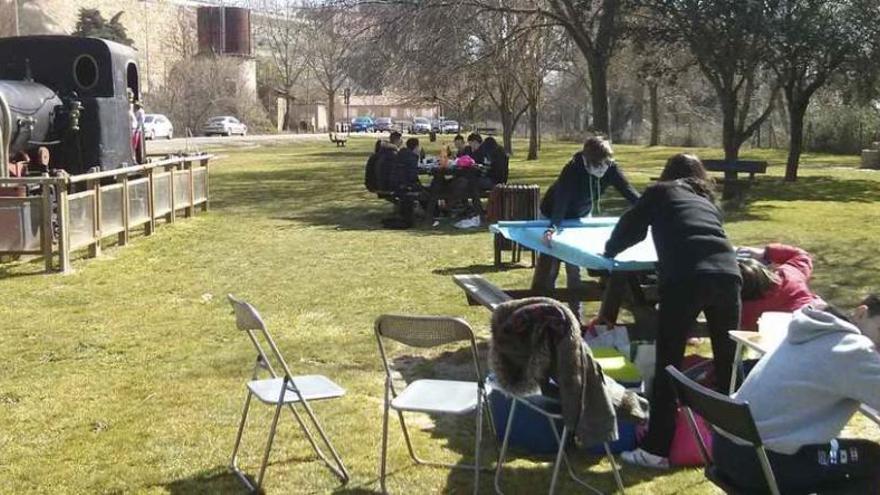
159	28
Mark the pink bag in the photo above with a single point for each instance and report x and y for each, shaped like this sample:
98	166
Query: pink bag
465	162
684	450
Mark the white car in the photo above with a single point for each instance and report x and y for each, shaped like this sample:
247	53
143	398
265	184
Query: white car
157	126
224	126
450	127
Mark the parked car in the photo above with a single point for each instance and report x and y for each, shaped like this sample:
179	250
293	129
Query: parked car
363	124
384	124
157	126
437	124
420	125
224	126
450	127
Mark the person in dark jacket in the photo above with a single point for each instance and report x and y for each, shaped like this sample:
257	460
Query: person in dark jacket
697	271
576	194
379	165
405	179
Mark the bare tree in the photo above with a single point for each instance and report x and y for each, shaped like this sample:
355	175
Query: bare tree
331	34
279	28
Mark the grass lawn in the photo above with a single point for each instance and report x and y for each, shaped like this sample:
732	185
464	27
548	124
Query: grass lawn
128	375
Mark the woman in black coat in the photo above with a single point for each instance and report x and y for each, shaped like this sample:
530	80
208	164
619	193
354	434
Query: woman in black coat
697	272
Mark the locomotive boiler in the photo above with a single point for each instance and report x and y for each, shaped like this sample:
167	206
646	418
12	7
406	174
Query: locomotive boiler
64	105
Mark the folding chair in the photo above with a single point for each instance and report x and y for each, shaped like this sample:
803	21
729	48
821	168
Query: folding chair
280	391
552	417
735	419
430	396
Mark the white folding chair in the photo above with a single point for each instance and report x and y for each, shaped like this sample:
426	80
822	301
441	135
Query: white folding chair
281	390
431	396
552	418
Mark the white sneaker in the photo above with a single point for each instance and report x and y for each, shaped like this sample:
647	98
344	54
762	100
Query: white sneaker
474	221
644	458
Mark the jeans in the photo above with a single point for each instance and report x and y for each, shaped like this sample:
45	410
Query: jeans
718	297
546	272
810	468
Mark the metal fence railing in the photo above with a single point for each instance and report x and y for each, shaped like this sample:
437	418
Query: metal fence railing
51	221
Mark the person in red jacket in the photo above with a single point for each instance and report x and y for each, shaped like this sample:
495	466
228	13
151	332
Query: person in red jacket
775	278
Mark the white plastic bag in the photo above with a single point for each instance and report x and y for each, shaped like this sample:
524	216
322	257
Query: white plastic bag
645	360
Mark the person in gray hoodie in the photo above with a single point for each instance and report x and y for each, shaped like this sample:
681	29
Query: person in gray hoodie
802	394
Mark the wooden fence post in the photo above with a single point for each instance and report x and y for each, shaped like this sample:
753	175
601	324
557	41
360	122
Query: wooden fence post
151	204
191	209
123	236
207	192
170	216
46	233
95	247
63	229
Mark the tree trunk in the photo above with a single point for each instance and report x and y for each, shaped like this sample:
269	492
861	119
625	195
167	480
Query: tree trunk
653	92
507	125
533	130
331	110
796	113
730	136
285	126
599	96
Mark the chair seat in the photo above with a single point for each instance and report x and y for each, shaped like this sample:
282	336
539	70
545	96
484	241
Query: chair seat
439	396
311	387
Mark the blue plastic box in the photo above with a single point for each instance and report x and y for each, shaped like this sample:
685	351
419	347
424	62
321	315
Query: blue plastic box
531	432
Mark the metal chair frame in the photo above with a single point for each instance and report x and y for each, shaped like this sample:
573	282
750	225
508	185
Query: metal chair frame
249	321
680	380
465	333
561	456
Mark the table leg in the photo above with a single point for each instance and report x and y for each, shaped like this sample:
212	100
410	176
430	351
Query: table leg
737	362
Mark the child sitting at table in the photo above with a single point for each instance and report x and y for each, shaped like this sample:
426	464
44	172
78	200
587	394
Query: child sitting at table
802	394
775	278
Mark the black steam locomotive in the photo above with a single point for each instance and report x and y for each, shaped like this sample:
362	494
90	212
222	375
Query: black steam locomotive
64	105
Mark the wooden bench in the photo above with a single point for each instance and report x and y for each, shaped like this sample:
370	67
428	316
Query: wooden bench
338	140
480	291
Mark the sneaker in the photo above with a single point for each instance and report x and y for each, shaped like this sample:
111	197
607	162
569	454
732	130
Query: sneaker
644	458
435	223
474	221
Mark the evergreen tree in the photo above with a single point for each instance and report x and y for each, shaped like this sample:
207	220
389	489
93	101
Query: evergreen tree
92	24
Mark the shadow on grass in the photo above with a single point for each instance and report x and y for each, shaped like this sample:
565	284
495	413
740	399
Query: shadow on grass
218	479
479	269
459	433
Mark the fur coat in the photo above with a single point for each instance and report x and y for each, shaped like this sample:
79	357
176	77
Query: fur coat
536	339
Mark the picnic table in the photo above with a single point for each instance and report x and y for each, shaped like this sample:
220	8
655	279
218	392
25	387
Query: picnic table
628	281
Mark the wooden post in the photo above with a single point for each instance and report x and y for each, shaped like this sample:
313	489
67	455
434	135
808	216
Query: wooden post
171	214
95	247
191	209
123	236
207	195
63	229
150	226
46	229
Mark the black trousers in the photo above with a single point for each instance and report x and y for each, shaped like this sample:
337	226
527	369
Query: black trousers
811	468
718	297
546	272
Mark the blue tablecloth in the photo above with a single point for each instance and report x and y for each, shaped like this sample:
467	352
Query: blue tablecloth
580	242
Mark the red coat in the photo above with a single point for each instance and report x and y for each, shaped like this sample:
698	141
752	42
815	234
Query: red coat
793	266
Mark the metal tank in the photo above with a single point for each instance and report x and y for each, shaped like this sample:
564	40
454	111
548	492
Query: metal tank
32	109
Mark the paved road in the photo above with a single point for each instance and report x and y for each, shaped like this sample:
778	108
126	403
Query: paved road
216	143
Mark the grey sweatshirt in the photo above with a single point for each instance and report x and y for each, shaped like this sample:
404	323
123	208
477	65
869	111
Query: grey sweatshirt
806	390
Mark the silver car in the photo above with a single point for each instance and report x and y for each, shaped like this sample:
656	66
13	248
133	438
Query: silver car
224	126
420	125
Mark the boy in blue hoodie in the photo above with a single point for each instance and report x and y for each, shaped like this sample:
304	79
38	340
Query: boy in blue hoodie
802	394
